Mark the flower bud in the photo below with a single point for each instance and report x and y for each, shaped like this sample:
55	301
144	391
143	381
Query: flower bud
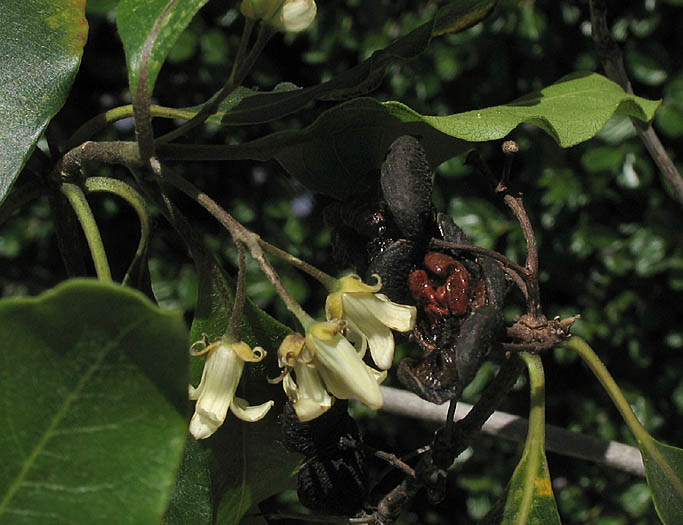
295	15
284	15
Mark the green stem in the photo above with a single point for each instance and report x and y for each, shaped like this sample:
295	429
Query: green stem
325	279
79	203
535	440
645	441
236	78
101	121
242	49
132	197
591	359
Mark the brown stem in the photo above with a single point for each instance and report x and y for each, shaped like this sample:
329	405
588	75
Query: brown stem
240	234
612	61
144	132
533	299
124	153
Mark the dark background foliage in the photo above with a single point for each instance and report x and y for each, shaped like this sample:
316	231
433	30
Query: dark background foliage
609	232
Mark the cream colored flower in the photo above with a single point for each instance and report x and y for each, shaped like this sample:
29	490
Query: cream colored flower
341	365
308	394
216	391
371	316
284	15
325	362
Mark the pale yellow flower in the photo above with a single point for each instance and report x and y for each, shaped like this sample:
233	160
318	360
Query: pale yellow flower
341	365
326	364
308	394
370	316
216	391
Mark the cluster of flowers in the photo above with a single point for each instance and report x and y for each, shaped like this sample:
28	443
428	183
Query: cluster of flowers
326	363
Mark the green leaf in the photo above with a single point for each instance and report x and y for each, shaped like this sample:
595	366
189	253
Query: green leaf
161	22
191	502
459	15
664	471
254	107
529	495
571	110
248	461
334	154
41	43
94	381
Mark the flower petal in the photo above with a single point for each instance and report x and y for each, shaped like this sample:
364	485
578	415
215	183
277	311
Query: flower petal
343	371
240	407
362	317
399	317
309	396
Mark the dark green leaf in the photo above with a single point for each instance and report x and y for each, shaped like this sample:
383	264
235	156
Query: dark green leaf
460	15
250	107
95	386
160	20
664	470
41	43
191	503
334	153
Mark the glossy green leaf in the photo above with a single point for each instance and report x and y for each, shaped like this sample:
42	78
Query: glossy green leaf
94	380
41	43
248	461
529	495
158	21
571	110
664	470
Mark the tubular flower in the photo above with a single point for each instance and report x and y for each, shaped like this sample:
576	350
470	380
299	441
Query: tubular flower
308	394
284	15
371	316
341	366
216	391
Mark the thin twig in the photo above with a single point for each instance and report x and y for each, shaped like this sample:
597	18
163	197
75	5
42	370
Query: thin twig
240	234
327	280
612	61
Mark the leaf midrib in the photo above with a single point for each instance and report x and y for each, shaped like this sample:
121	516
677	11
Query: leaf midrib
69	400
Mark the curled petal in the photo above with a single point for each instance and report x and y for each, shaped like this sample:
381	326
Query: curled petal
399	317
240	407
246	353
